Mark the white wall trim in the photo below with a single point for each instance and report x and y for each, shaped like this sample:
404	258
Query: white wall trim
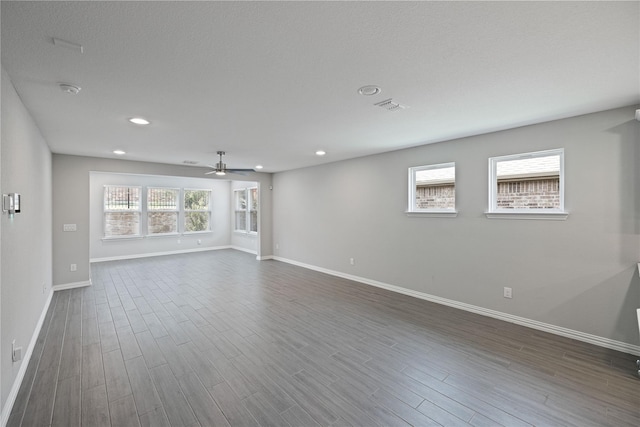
71	285
264	258
13	393
152	254
534	324
250	251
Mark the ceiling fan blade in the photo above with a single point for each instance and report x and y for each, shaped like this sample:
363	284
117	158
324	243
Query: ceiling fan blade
210	172
239	171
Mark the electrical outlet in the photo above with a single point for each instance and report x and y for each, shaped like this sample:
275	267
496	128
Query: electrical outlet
73	267
278	247
508	292
352	261
199	241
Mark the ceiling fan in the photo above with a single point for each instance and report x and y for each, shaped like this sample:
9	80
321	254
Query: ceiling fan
221	169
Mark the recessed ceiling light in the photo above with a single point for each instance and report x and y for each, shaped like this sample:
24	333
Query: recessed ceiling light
369	90
119	152
320	153
139	121
259	166
69	88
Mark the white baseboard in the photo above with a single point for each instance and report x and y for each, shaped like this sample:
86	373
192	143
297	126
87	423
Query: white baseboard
13	393
152	254
71	285
238	248
264	258
534	324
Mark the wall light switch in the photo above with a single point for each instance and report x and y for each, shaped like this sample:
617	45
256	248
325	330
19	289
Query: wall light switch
69	227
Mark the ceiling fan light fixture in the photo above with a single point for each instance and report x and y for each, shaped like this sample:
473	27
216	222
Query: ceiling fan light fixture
220	173
139	121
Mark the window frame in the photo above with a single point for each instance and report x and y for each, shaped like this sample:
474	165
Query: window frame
412	210
185	211
150	211
493	212
236	210
138	211
250	209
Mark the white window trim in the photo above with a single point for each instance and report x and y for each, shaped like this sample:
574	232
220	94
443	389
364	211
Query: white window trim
236	210
412	211
544	214
249	210
433	214
149	211
185	210
114	238
139	211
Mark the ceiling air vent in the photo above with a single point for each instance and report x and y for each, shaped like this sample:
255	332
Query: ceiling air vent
190	162
389	105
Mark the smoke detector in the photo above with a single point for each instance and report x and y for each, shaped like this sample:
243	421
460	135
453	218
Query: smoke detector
389	105
69	88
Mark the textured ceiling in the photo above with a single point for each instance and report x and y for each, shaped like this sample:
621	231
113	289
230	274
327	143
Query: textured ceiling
272	82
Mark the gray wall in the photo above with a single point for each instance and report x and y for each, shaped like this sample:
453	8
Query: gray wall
578	274
26	238
71	176
220	217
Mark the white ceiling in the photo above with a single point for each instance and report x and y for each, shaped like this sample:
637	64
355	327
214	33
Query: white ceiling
272	82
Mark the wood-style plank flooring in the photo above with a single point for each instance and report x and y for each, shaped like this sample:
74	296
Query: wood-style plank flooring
218	339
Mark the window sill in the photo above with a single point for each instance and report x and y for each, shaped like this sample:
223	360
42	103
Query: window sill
553	216
162	235
189	233
116	238
432	214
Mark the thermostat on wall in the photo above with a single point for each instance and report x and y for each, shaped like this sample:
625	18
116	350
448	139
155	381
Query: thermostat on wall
11	203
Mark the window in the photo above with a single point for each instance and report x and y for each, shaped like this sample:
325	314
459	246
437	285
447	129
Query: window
121	211
432	190
245	202
240	206
527	185
253	210
197	210
162	210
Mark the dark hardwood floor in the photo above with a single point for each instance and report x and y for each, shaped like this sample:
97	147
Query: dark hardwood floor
218	339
